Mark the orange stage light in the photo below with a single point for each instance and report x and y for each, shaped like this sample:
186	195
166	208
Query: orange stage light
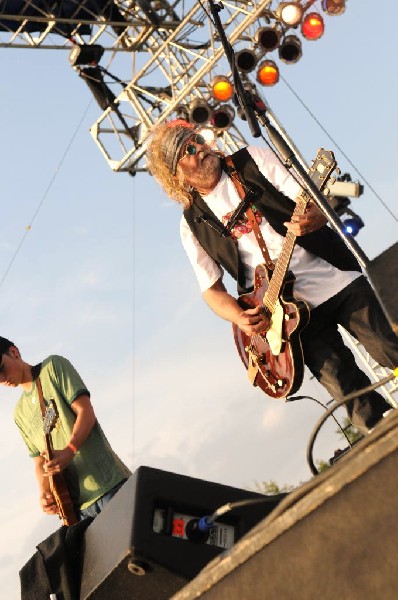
222	89
267	73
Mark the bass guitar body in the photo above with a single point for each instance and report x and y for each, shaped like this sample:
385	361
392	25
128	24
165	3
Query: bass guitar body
274	359
65	508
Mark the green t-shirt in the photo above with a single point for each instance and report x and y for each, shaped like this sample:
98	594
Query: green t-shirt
96	468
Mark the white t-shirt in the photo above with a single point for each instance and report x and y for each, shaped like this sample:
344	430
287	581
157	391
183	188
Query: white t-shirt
316	279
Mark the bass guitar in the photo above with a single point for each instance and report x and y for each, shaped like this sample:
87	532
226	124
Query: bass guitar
274	359
58	487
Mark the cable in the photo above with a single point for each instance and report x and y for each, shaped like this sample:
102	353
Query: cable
291	399
335	406
198	529
29	227
339	148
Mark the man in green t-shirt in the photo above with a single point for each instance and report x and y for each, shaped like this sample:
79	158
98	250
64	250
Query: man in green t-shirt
92	471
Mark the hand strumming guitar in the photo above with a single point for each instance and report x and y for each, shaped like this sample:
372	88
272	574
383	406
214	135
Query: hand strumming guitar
252	321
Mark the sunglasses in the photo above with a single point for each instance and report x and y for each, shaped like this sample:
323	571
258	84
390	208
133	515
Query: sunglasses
190	148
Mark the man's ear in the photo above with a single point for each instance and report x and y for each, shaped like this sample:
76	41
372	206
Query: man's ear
14	352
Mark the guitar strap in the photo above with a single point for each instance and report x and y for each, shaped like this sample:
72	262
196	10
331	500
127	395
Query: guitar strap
41	399
249	212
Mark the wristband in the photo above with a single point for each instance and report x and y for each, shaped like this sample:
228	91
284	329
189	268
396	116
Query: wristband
72	447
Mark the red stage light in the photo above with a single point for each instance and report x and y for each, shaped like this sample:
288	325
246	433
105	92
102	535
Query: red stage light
312	26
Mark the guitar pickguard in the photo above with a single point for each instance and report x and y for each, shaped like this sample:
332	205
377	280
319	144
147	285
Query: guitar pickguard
274	333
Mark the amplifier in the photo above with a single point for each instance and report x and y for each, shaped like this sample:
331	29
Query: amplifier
144	543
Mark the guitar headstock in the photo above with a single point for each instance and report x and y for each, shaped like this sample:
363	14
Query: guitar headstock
322	168
50	418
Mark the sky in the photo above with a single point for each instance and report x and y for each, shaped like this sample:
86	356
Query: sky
101	277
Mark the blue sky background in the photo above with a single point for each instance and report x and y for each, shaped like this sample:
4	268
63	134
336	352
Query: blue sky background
101	278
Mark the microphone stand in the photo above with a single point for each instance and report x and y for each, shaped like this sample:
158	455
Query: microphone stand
255	111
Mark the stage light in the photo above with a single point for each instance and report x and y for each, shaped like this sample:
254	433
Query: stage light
267	38
245	60
333	7
353	225
221	88
182	112
312	27
199	112
290	49
267	73
223	117
209	134
290	13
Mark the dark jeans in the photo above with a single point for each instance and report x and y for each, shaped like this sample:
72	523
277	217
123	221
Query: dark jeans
357	309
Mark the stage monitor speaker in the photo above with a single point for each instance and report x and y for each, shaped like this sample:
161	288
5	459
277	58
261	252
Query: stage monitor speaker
143	546
383	274
334	537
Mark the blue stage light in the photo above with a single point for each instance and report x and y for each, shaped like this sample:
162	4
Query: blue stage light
353	225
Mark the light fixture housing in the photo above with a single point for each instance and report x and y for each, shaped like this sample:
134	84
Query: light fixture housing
267	73
312	27
290	49
333	8
353	225
210	135
223	117
267	38
199	112
290	13
85	54
222	89
246	60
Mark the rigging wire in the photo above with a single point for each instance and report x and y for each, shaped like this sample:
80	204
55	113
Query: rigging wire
338	147
41	202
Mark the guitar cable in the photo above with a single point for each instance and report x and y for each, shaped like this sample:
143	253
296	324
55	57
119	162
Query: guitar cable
335	406
198	529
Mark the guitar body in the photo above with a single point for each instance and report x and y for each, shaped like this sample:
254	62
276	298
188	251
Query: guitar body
274	360
66	510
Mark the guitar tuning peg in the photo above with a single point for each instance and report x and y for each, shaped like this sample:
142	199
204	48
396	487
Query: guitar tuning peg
337	171
332	180
326	192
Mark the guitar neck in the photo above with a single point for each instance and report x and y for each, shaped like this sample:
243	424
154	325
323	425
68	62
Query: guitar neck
48	446
282	264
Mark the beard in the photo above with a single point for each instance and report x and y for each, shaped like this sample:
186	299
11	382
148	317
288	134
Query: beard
209	167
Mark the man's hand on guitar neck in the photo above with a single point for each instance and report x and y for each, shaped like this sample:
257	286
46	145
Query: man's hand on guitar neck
61	459
312	220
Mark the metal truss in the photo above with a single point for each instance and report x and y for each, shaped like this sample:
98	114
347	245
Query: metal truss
179	70
118	25
376	371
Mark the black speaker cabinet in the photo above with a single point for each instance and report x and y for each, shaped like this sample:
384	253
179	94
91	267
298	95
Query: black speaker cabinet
336	537
142	546
383	274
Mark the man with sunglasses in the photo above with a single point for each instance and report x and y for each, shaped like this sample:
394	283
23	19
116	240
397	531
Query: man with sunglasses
327	276
92	471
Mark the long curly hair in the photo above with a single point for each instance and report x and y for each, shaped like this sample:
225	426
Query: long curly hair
173	185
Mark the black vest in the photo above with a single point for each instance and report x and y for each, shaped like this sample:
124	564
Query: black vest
277	209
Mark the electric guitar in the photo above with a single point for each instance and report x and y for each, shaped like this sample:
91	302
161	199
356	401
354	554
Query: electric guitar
274	359
58	487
